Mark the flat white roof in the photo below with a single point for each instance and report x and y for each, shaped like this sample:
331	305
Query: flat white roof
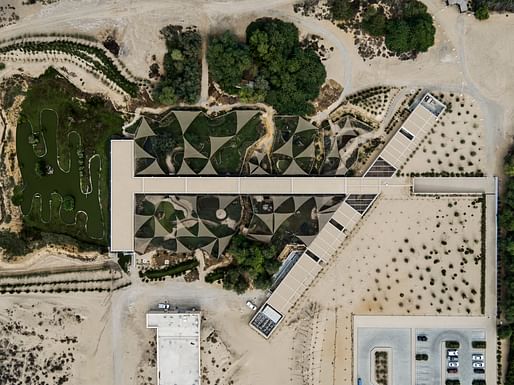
178	346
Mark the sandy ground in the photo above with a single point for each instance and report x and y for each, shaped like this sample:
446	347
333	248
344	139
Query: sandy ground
456	143
55	337
406	258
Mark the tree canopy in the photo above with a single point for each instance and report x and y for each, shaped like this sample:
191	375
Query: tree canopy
374	21
181	80
271	66
412	30
253	262
343	9
409	27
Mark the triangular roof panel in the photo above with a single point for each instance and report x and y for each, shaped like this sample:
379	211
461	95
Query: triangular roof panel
185	118
144	130
304	125
244	117
294	169
153	169
139	152
191	152
217	142
308	152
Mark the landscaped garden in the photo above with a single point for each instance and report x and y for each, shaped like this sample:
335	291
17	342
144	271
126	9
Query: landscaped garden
90	55
62	146
190	142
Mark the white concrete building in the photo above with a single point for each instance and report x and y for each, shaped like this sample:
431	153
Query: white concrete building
178	346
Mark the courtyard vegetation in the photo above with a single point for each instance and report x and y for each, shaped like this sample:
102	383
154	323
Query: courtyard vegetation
270	66
253	263
182	76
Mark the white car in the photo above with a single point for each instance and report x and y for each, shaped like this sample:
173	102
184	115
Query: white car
251	305
453	364
477	357
478	364
454	353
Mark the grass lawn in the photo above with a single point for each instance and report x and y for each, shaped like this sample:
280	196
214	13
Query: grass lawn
62	147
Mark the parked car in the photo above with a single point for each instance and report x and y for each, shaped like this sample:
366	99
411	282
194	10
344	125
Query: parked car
452	370
477	357
452	352
453	359
251	305
422	338
479	371
453	364
478	364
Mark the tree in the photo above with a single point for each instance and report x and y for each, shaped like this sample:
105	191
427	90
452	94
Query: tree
40	168
182	67
343	9
422	32
270	67
374	21
68	203
228	60
482	12
17	197
167	95
504	331
397	36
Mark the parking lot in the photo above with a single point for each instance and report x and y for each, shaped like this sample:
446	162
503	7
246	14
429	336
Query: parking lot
397	341
435	369
421	351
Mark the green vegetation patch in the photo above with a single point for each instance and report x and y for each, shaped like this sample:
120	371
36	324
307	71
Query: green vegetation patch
409	28
62	146
182	77
253	264
271	66
172	271
94	57
493	5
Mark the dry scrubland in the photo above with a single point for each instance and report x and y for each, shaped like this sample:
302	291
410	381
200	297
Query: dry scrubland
60	340
455	143
409	256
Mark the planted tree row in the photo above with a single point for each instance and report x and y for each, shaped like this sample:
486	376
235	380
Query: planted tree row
172	270
95	57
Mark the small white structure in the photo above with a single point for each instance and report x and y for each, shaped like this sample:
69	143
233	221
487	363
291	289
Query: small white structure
178	346
462	4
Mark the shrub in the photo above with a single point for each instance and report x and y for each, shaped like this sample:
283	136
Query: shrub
68	203
482	12
343	9
17	197
504	331
172	270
